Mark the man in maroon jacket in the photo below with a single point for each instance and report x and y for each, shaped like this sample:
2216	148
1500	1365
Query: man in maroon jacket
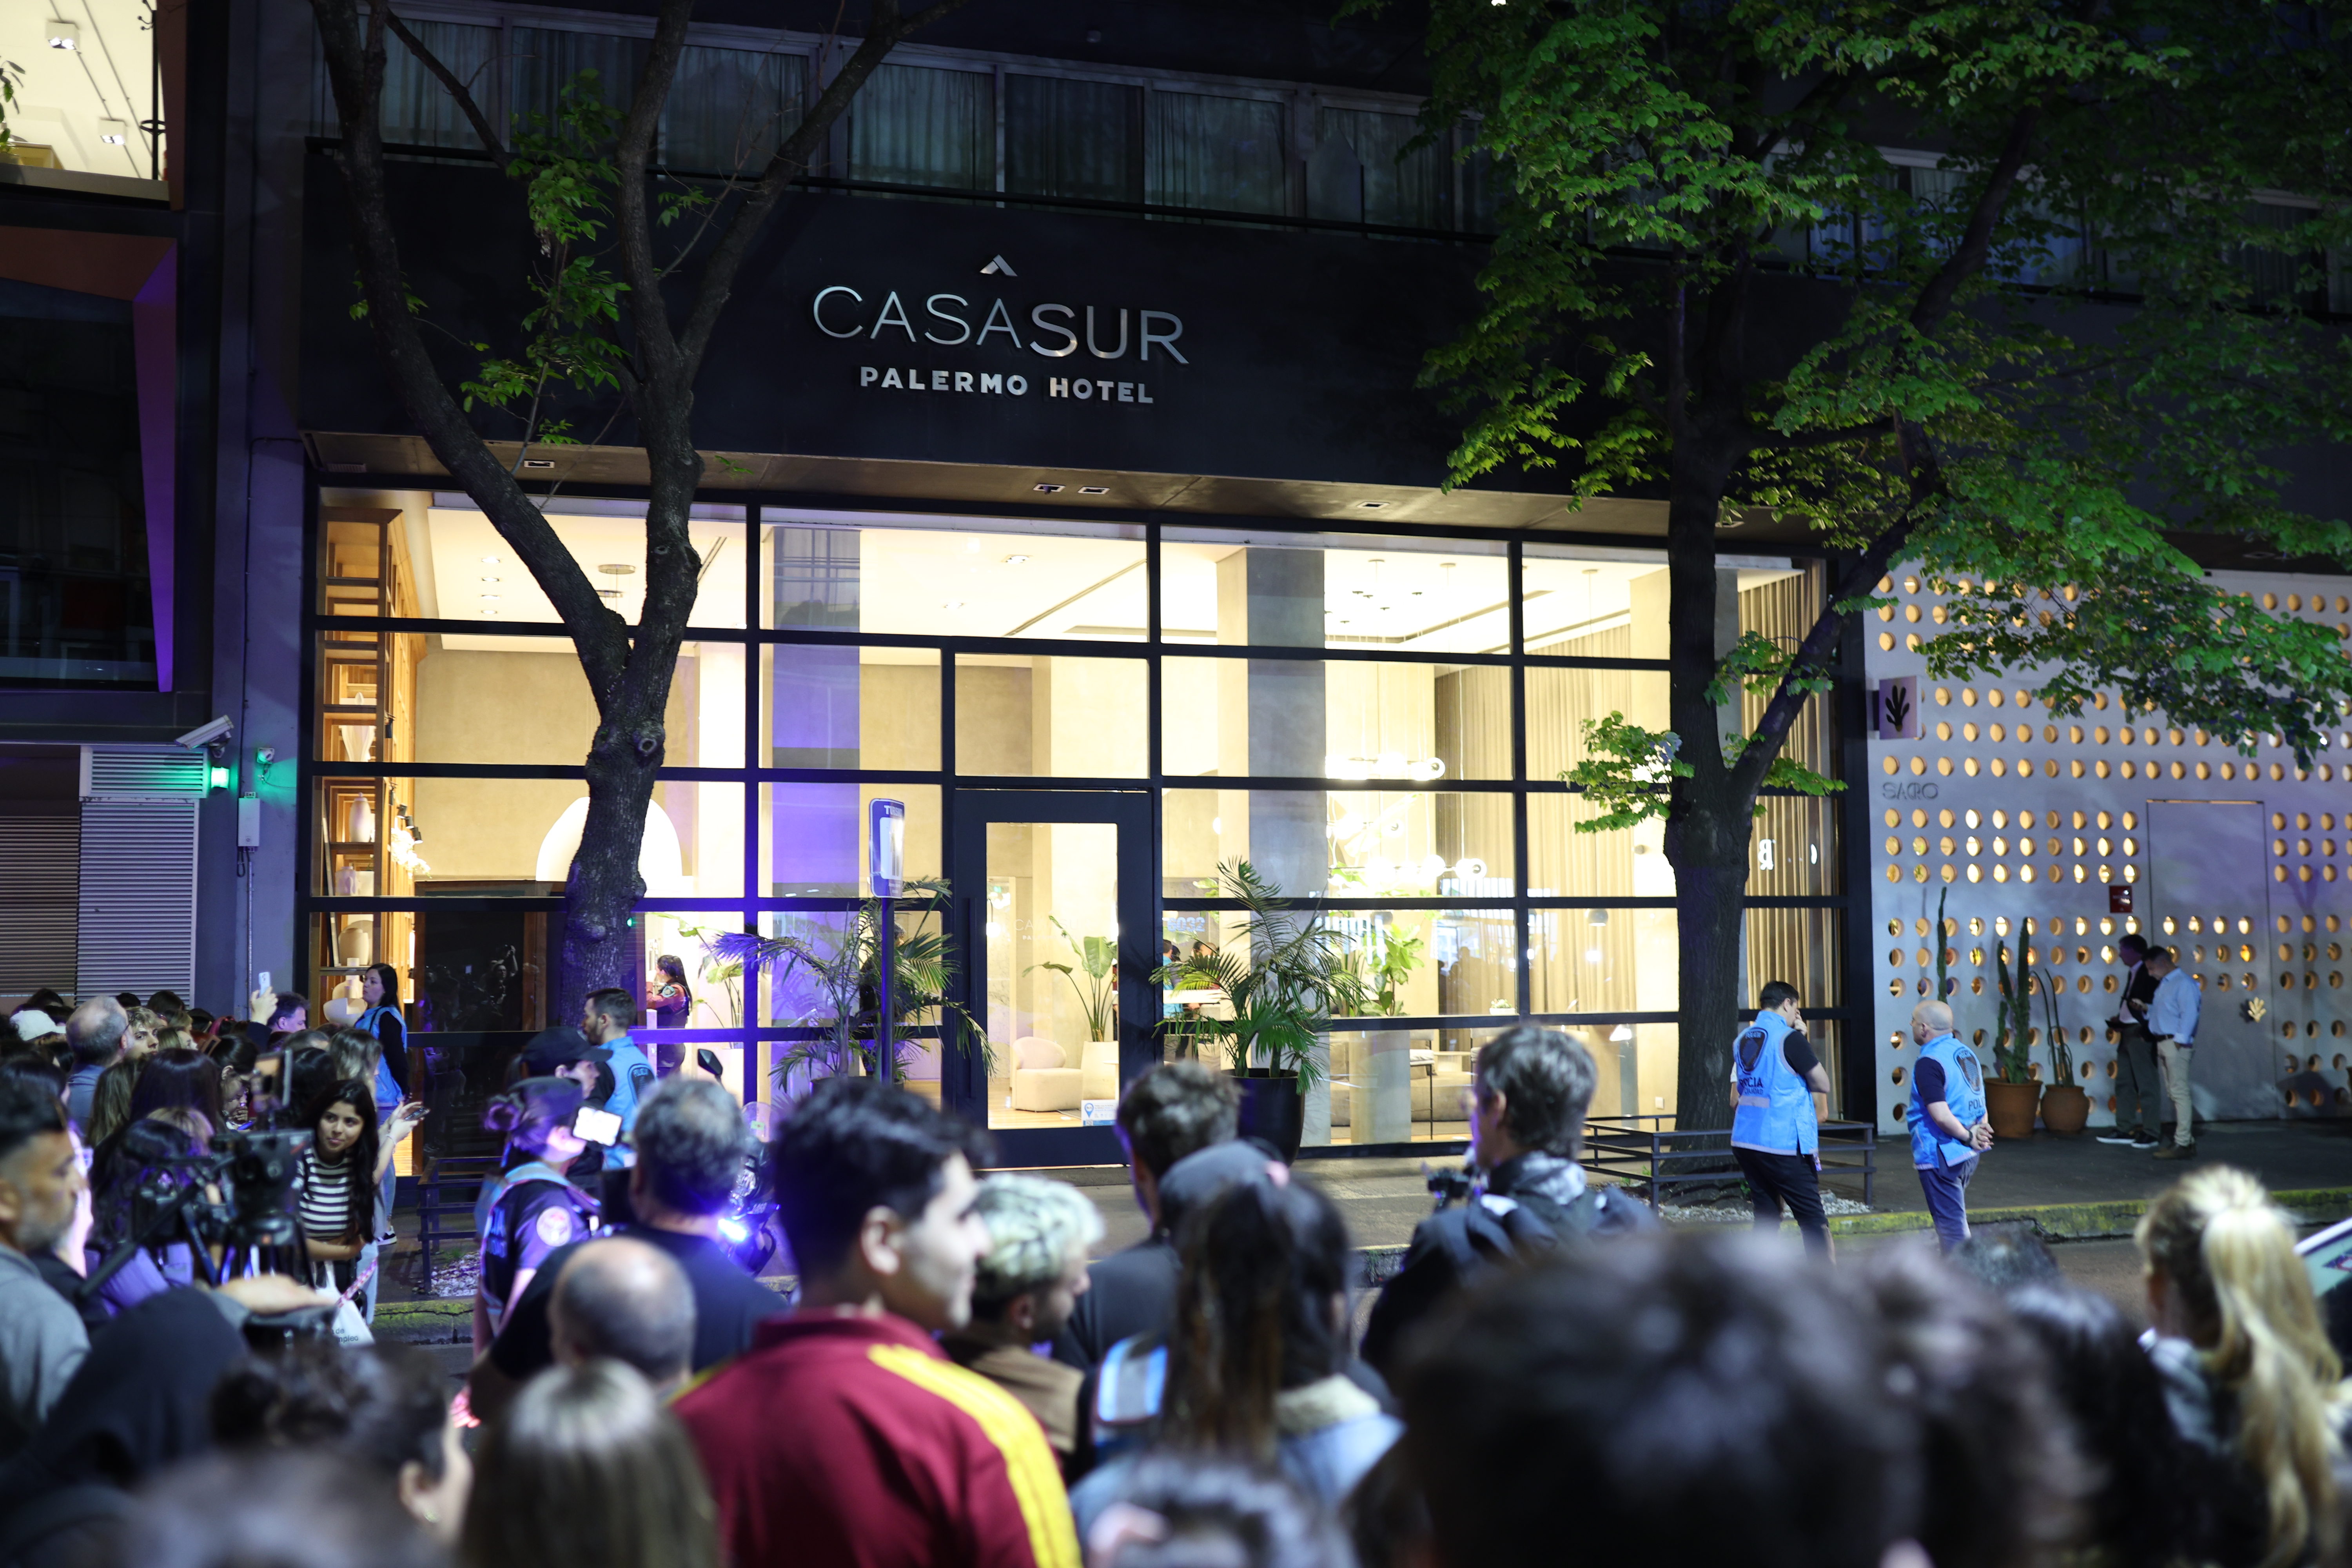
844	1436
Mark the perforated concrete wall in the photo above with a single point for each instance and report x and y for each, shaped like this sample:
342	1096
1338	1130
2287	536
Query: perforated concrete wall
2062	833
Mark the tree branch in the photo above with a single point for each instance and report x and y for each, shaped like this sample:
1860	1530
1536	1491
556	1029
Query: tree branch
448	79
1968	258
888	30
355	63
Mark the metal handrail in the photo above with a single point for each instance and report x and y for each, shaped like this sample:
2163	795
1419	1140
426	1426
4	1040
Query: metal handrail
1642	1148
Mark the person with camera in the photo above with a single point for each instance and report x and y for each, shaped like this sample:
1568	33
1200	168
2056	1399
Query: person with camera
691	1145
532	1207
1529	1090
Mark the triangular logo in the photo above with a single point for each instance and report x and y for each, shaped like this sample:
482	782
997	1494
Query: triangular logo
997	264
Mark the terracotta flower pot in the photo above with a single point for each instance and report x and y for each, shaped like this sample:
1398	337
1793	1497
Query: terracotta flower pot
2066	1109
2010	1106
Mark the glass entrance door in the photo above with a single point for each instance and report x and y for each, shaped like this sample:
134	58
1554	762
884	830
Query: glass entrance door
1053	920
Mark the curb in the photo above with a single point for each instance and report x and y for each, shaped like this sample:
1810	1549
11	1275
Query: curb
2094	1221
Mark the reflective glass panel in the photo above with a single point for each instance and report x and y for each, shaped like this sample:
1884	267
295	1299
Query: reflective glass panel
1422	722
1050	716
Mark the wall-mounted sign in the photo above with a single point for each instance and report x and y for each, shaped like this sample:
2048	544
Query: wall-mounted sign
1897	699
2120	898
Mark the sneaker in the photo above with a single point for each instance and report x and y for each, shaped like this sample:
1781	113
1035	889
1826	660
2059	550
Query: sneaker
2176	1151
2118	1136
2142	1141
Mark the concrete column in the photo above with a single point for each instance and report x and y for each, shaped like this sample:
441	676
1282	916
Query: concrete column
1270	721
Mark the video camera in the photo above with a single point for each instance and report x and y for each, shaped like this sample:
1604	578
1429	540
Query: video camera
1450	1184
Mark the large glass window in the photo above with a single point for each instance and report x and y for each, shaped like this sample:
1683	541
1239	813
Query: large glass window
548	59
728	108
916	125
1224	153
1070	138
1347	713
1360	169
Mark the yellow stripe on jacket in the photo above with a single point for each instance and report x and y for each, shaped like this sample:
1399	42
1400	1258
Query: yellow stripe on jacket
1029	1463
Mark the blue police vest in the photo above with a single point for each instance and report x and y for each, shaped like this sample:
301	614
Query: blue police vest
1775	1114
1963	1093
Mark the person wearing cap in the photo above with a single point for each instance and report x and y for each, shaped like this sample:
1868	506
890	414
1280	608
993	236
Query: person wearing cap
532	1206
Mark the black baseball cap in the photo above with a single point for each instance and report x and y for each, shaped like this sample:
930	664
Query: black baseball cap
560	1046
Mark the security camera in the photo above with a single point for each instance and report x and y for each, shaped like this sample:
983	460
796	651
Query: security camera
198	739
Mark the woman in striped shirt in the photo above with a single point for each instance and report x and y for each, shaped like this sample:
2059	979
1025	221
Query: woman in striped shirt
339	1212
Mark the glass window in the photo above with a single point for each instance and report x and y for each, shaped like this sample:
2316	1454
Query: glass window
79	606
728	108
813	836
826	707
512	699
455	567
1345	844
1050	717
1225	154
1073	580
1424	722
1065	137
366	838
419	110
913	125
1626	863
1561	701
1051	886
458	969
1356	171
1396	1086
547	59
1410	596
1417	964
1603	961
1800	946
1594	604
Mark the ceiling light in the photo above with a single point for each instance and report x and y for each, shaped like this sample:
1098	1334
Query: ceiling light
490	579
539	462
114	132
1016	561
1047	489
952	605
492	560
487	597
1094	490
64	34
1369	505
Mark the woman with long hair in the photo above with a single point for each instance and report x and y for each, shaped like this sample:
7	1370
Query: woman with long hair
2247	1372
153	1148
179	1077
532	1206
1255	1366
670	999
110	1102
339	1172
589	1470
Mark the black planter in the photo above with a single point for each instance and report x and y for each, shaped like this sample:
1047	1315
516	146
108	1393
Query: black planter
1273	1110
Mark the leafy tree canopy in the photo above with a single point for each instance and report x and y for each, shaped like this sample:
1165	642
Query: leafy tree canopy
2032	366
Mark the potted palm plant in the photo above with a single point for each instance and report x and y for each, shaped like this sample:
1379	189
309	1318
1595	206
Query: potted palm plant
842	968
2012	1096
1098	959
1284	980
2065	1108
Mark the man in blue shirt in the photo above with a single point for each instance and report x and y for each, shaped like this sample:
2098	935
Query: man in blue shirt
1775	1134
1947	1118
605	1021
2172	1021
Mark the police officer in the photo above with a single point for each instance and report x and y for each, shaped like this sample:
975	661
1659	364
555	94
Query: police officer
530	1207
1947	1118
1775	1132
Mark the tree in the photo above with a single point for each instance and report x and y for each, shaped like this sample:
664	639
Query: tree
2031	368
605	327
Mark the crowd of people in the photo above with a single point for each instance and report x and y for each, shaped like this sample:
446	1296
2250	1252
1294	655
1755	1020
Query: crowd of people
950	1380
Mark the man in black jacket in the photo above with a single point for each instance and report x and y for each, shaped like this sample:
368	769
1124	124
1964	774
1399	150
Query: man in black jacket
1531	1090
1176	1109
2140	1089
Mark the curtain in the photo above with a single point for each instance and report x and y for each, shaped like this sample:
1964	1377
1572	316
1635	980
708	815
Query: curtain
1065	137
729	108
912	125
416	107
1220	153
1408	191
546	60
